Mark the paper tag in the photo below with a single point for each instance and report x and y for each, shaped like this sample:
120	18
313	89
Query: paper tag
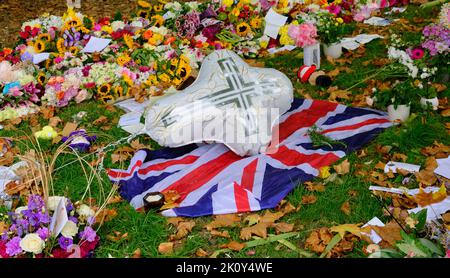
95	45
393	166
59	218
274	21
373	235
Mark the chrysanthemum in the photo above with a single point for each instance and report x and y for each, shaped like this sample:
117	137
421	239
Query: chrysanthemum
242	29
39	46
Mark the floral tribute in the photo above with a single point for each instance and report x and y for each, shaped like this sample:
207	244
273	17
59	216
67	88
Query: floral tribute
29	231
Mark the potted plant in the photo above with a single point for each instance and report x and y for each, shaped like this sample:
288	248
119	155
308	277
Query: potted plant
397	100
331	30
428	95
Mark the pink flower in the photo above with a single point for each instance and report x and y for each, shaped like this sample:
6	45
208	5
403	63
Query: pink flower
303	34
417	53
58	59
81	96
334	9
447	254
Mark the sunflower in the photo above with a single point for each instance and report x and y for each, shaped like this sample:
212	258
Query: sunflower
144	4
176	81
183	71
39	46
41	78
242	29
82	29
151	81
256	22
118	91
74	50
142	13
158	8
44	37
158	20
156	39
104	89
164	77
73	22
163	1
128	39
60	45
123	59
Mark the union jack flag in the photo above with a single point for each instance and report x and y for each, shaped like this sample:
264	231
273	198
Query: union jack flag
211	179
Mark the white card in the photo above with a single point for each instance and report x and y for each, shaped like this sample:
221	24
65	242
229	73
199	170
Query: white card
365	38
95	45
60	218
349	43
377	21
274	50
443	168
37	58
274	21
393	166
373	235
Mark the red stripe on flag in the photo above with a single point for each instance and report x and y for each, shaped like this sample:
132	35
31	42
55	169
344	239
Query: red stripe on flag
241	198
119	175
202	175
248	175
163	165
358	125
305	118
294	158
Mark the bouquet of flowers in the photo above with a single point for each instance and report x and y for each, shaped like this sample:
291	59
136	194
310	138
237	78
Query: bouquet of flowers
32	230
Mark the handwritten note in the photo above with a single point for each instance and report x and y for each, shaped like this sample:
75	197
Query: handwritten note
274	21
95	45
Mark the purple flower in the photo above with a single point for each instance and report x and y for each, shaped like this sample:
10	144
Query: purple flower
43	233
91	220
26	56
13	247
65	242
88	234
73	219
35	202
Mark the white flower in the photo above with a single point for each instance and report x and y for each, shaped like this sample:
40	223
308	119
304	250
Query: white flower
20	209
70	229
85	210
53	201
116	25
32	243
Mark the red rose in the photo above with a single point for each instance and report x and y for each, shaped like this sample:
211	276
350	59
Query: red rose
3	253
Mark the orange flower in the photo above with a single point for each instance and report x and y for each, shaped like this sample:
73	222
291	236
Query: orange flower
7	51
60	95
170	40
147	34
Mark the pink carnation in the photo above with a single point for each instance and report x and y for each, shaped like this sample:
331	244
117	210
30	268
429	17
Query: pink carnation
303	34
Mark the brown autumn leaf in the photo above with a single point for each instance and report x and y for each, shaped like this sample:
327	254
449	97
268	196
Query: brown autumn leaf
389	233
399	157
431	163
3	227
101	120
175	220
259	229
427	198
136	254
283	227
201	253
339	94
426	177
352	193
308	199
114	199
252	219
380	165
68	128
271	217
315	187
318	240
223	220
183	229
165	248
342	168
234	245
345	208
47	112
445	217
117	236
217	233
105	215
343	229
136	145
54	121
34	121
446	112
171	198
15	121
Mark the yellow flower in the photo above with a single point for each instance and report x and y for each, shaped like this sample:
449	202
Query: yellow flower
107	29
41	78
151	81
128	39
285	39
119	91
158	8
73	22
104	89
228	3
83	30
144	4
39	46
128	80
44	37
183	71
164	78
156	39
123	59
264	43
242	29
324	172
60	45
163	1
158	20
74	50
142	13
235	12
340	20
256	22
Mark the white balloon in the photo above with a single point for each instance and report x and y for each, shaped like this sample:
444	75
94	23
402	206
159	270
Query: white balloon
229	102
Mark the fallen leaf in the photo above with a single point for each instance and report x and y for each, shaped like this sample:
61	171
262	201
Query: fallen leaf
165	248
223	220
259	229
426	177
389	233
54	121
354	229
171	199
318	240
217	233
342	168
308	199
101	120
68	128
105	215
315	187
136	145
234	245
283	227
445	217
136	253
201	253
175	220
252	219
183	229
114	199
47	112
424	199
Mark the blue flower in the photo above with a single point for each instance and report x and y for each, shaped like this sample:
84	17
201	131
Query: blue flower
9	86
